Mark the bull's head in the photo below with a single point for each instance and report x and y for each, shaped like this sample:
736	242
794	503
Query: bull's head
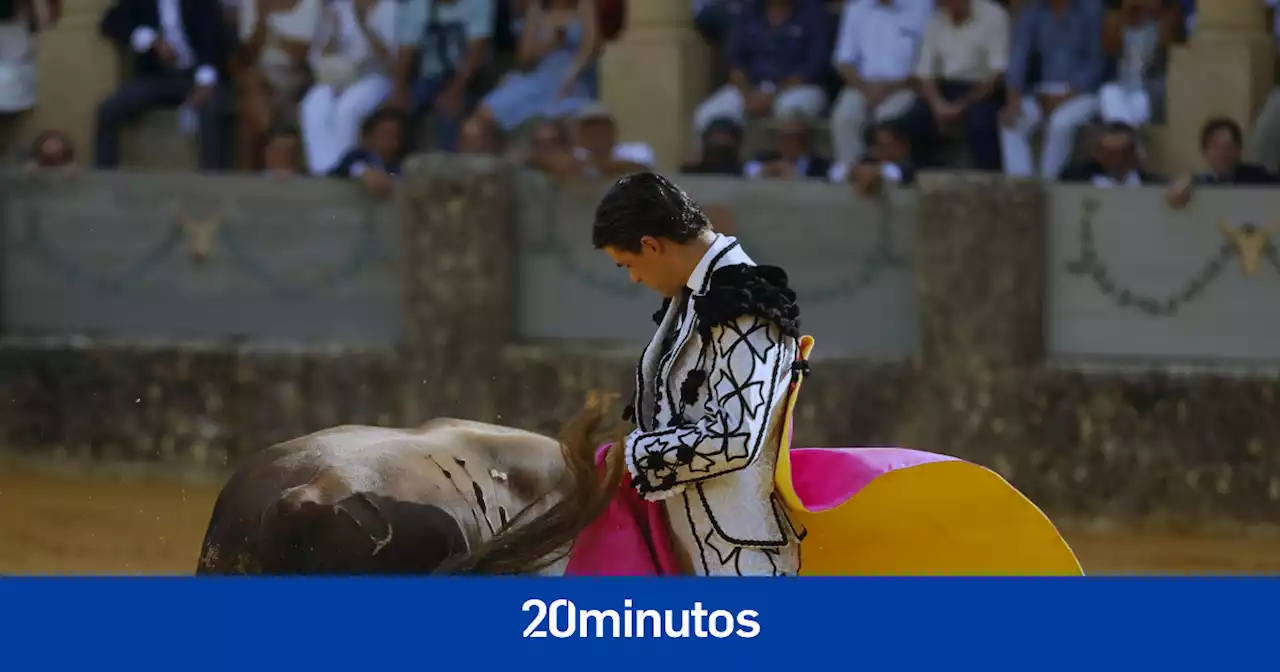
201	233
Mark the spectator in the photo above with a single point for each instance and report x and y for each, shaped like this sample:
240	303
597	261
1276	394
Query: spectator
875	55
351	59
447	43
1115	162
715	18
50	149
777	56
1138	36
962	63
1264	145
282	151
1064	39
376	160
720	152
599	154
559	44
888	161
793	156
180	55
19	21
1220	142
551	150
479	137
275	36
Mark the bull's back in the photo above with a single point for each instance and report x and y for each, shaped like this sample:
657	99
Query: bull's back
353	486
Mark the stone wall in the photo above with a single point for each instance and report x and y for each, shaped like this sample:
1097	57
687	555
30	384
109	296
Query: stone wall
1134	446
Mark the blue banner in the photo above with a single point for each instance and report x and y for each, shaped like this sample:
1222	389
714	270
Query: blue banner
185	624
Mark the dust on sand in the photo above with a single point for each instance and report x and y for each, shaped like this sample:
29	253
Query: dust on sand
77	524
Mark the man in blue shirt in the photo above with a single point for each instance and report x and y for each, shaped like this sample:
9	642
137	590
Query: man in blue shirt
778	52
443	46
1055	66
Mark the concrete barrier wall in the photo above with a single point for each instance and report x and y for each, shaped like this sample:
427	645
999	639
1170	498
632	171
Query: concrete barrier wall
1134	281
994	374
164	257
849	260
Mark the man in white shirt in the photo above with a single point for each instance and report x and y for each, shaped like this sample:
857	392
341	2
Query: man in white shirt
180	51
875	55
1264	143
962	62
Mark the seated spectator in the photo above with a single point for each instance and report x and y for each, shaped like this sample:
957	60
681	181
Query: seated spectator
1138	36
720	152
1220	142
875	55
559	44
275	36
50	149
962	62
598	152
479	137
777	56
351	59
376	160
1115	162
551	150
178	61
20	20
1264	141
714	18
887	162
793	156
282	152
1064	38
443	48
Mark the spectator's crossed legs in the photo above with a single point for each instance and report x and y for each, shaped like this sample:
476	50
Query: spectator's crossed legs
806	100
849	119
137	96
330	120
1059	135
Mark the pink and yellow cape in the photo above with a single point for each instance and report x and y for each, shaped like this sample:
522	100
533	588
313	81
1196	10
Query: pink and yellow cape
866	511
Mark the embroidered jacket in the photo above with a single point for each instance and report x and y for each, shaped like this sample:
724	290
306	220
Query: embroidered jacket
706	405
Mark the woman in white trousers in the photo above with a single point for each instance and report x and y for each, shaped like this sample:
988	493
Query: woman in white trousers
352	61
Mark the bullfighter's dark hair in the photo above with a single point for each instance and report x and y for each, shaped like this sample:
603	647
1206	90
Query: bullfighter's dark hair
645	204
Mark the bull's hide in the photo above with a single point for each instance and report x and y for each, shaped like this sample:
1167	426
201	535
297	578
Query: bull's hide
358	499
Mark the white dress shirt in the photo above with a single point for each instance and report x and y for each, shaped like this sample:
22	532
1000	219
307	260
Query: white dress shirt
1105	181
881	38
173	32
968	52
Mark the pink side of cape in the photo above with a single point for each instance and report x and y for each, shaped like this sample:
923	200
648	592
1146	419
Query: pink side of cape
632	539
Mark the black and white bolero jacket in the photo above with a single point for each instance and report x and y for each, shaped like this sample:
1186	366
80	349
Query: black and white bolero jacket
705	410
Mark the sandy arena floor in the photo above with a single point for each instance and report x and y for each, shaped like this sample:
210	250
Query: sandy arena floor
66	524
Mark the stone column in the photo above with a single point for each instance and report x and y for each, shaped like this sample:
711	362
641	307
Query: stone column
1226	69
654	75
76	68
459	260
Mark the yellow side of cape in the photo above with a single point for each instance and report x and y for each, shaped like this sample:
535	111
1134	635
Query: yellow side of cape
947	518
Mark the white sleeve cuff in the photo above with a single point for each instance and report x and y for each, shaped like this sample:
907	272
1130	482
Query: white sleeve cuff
357	169
206	75
753	169
142	38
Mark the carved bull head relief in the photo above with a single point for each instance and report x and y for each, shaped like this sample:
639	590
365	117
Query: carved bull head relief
201	233
1250	241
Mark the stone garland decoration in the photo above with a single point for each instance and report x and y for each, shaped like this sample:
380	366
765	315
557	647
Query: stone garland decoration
1247	239
202	237
881	258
